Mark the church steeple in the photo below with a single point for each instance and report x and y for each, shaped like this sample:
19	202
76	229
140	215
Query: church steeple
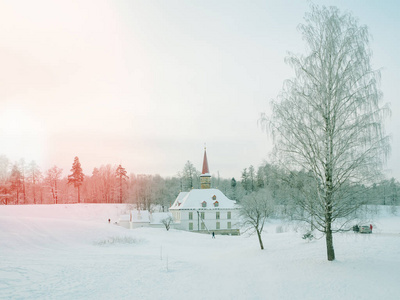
205	177
205	163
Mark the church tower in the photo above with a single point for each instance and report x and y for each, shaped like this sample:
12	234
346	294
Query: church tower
205	177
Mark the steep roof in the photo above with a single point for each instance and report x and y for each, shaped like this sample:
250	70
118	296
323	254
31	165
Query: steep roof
178	199
205	164
195	198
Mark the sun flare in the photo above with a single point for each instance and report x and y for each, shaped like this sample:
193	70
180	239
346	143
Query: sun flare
22	135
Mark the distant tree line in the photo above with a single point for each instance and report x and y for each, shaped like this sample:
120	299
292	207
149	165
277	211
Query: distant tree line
26	183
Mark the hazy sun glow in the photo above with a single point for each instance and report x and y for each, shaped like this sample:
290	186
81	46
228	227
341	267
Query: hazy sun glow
145	83
21	134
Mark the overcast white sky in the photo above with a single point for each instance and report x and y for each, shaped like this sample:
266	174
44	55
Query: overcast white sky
147	83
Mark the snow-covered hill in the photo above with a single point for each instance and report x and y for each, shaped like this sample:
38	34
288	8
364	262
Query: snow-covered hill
72	252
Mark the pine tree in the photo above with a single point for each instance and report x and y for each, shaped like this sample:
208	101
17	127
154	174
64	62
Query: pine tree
121	175
245	180
233	189
77	176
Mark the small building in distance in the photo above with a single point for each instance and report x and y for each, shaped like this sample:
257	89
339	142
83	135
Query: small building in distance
206	209
135	219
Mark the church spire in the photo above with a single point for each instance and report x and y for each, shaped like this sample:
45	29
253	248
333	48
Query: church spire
205	177
205	163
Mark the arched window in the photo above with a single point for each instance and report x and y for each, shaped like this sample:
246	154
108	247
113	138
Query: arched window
214	197
204	204
216	204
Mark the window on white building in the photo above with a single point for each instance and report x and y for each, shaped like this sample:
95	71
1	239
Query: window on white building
217	215
202	215
203	226
190	226
229	216
229	225
218	225
190	216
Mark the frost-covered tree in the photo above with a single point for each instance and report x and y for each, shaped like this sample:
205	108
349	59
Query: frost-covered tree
21	166
167	222
16	181
52	179
4	164
190	176
4	184
76	178
94	190
255	209
34	176
328	119
245	180
108	183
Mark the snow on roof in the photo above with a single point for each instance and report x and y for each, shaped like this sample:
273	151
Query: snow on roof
178	200
195	198
205	175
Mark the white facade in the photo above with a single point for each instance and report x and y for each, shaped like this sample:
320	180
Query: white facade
205	210
136	219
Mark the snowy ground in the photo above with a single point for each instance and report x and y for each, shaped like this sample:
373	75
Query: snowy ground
71	252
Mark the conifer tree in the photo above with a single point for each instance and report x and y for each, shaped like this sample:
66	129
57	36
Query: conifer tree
77	176
121	175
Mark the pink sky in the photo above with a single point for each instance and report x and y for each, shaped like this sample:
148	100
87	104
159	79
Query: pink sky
147	83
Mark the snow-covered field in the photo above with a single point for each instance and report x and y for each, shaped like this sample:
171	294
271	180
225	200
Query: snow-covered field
71	252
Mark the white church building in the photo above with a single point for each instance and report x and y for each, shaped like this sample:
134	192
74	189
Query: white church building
206	209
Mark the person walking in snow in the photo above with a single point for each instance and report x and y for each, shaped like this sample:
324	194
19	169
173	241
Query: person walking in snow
213	235
370	226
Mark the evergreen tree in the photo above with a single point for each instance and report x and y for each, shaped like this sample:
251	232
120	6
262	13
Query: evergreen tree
121	175
252	179
233	182
233	189
77	176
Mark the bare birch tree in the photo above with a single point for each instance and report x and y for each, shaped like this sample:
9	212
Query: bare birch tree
34	176
53	176
328	119
255	209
